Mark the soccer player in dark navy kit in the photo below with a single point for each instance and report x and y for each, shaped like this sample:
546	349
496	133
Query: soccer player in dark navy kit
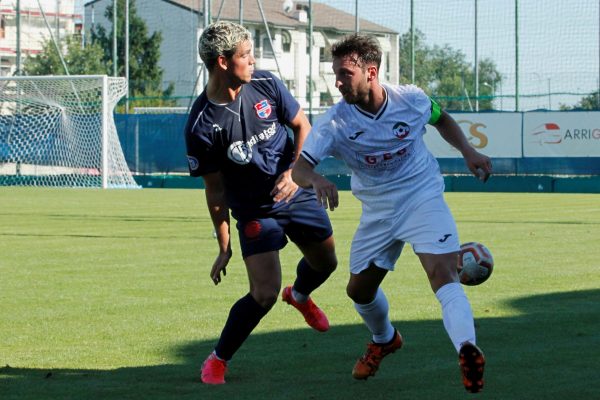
236	140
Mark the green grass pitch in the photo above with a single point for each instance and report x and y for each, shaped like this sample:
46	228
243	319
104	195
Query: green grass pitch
106	295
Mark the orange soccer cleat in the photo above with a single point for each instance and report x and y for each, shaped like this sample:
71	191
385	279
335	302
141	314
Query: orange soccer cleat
368	364
472	362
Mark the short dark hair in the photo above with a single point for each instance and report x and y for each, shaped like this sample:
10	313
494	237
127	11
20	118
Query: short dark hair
365	47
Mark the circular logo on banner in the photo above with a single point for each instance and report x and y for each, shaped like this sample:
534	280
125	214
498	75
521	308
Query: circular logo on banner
240	153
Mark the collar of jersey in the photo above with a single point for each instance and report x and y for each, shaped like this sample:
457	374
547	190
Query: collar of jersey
379	112
226	104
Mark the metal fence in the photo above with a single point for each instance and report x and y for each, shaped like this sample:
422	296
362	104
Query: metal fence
546	52
512	55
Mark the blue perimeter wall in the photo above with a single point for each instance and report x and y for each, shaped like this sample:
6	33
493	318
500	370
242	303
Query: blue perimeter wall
154	149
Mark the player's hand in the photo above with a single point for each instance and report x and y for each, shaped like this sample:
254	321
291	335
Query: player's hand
219	266
285	188
326	191
479	164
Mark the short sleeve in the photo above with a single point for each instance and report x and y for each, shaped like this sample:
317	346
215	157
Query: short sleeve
421	104
201	155
202	152
320	141
287	105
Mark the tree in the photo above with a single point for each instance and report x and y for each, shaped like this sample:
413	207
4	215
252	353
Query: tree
589	102
79	60
145	76
445	74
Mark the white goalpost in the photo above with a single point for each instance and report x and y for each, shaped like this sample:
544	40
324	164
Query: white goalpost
60	131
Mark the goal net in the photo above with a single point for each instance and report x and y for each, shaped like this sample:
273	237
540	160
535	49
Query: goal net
60	131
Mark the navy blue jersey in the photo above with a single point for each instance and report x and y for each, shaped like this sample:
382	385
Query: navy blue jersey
246	140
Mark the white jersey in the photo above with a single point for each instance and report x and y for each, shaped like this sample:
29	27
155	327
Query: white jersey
392	169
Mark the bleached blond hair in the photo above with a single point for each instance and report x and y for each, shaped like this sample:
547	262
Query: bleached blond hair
221	39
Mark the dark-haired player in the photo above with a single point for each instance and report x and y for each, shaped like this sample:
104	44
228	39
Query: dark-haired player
377	130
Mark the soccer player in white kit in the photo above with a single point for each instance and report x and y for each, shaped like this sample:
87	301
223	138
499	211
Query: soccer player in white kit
377	130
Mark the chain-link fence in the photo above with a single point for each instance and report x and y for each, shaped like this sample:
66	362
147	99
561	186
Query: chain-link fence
469	54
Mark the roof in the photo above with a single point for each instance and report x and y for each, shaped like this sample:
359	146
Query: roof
324	17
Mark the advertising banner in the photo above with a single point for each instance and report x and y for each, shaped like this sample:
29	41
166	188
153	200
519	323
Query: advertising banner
494	134
561	134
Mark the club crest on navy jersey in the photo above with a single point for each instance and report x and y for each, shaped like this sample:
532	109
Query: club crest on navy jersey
401	130
263	109
240	153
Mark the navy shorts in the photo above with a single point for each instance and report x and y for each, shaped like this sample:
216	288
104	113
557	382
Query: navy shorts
302	220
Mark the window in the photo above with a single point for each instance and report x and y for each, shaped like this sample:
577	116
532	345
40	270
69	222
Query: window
257	42
325	54
262	45
267	49
387	66
310	86
2	26
5	67
326	100
286	41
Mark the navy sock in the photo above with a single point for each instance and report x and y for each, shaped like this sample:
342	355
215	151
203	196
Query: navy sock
245	314
308	279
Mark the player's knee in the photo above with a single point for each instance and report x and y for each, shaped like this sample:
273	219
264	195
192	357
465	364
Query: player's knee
326	264
441	274
330	263
266	299
359	295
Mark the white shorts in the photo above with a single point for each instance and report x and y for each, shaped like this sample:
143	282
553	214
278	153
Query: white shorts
429	228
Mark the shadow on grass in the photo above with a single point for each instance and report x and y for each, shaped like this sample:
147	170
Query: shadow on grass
550	350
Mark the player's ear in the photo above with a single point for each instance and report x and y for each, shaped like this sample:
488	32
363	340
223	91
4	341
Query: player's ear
372	73
222	62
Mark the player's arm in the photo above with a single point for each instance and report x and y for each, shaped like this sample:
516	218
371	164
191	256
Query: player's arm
305	176
301	127
479	164
285	188
219	214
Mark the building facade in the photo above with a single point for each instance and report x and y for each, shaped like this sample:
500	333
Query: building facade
60	21
281	41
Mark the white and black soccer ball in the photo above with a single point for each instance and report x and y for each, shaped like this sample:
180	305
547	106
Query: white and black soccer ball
475	264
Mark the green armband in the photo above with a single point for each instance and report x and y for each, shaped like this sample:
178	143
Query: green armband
436	112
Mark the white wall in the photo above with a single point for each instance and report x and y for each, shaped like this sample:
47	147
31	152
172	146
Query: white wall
179	48
34	31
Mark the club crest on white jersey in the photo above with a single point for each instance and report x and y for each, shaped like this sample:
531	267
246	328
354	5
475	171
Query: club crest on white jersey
401	130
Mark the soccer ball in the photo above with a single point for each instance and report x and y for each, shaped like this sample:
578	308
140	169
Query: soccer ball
475	263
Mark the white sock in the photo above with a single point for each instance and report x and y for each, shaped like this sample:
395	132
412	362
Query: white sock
457	314
375	315
299	297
